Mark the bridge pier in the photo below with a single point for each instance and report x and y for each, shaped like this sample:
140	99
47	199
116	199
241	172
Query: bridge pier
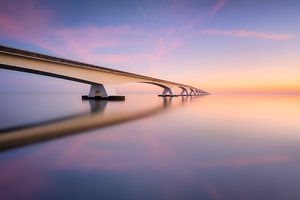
184	92
167	92
100	91
192	92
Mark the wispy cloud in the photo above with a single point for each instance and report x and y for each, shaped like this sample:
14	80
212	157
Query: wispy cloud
119	44
242	33
89	43
93	44
217	6
25	23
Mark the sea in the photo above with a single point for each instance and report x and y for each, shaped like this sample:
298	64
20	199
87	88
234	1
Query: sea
58	146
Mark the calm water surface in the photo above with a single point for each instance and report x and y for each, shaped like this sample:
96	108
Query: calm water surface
210	147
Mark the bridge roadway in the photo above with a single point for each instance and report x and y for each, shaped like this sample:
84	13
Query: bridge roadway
101	79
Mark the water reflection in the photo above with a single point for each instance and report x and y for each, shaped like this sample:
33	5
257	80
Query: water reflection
68	125
211	148
97	106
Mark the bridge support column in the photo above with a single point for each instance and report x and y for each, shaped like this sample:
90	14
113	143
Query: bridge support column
167	92
184	92
100	91
192	93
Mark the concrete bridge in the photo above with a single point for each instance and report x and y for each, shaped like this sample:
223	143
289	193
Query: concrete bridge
101	79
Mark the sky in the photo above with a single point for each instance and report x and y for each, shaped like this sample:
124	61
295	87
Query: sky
221	46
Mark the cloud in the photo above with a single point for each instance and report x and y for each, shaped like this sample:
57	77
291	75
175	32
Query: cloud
217	6
26	23
90	44
93	44
241	33
104	45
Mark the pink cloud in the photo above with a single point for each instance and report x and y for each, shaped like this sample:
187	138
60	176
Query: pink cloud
88	44
248	34
166	42
92	44
26	23
99	45
96	37
217	6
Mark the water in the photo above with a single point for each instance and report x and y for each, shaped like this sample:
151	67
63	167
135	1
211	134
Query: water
210	147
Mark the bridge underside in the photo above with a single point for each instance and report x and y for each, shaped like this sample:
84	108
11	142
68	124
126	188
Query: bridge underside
101	91
106	91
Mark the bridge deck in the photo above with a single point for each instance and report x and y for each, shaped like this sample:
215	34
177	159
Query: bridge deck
28	54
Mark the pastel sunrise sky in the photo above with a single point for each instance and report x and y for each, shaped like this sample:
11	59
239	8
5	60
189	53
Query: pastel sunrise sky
221	46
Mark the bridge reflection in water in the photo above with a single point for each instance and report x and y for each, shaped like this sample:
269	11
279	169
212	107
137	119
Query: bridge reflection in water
18	136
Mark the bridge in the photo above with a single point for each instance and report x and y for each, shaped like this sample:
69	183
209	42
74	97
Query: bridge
101	79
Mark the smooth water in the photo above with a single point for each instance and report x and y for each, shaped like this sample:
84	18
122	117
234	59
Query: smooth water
56	146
